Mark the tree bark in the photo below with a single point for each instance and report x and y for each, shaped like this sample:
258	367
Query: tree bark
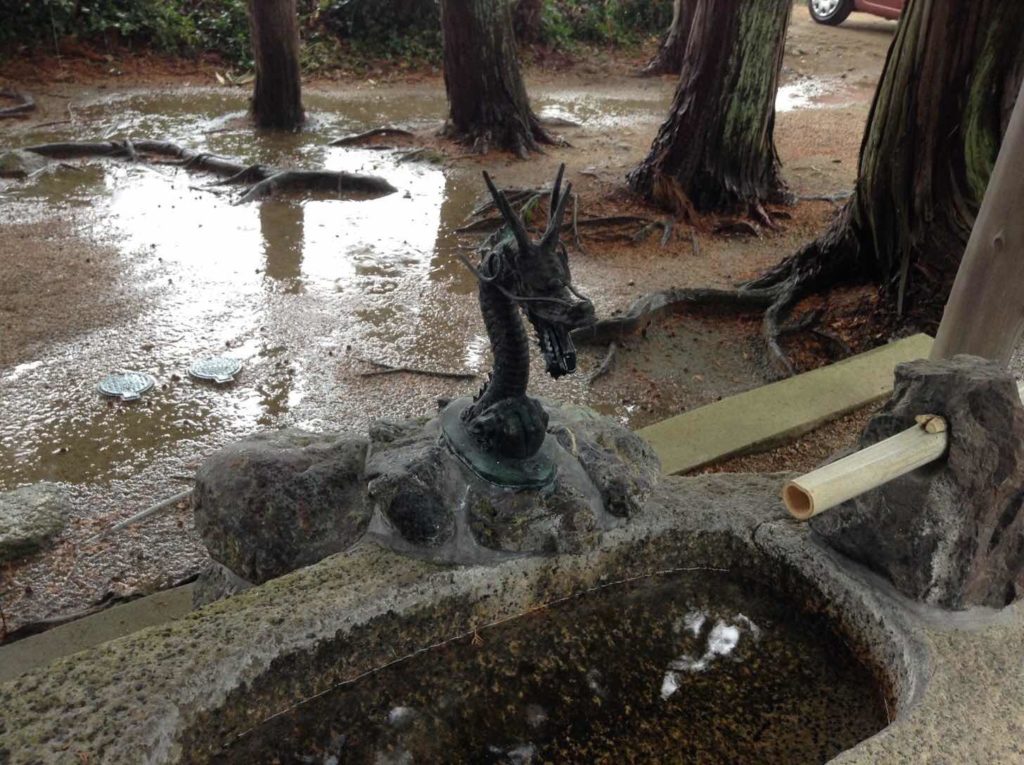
985	312
716	150
669	58
527	20
934	131
277	94
487	100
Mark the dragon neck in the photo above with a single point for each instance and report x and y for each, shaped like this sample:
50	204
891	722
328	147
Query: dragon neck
510	345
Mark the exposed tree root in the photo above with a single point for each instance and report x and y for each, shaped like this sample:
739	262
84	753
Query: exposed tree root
737	226
263	180
616	225
24	104
513	136
774	301
358	139
605	366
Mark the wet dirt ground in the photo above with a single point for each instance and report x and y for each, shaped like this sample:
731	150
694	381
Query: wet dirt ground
110	265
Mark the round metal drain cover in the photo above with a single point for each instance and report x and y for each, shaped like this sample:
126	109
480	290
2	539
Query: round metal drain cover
220	369
127	386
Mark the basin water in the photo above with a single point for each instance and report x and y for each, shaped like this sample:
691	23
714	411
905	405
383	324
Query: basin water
686	666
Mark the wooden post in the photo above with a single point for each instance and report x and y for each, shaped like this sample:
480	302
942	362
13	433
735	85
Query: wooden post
984	315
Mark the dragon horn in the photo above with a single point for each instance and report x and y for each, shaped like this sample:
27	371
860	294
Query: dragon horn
556	190
555	224
513	221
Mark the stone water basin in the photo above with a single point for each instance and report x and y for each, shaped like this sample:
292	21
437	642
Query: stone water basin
686	666
379	631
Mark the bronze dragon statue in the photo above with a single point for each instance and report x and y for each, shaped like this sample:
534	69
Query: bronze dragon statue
500	433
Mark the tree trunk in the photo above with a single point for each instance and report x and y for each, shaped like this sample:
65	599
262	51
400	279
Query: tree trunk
277	94
985	312
716	151
486	96
669	58
527	20
934	131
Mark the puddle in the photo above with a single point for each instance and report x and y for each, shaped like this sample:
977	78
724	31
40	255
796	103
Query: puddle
693	667
806	93
297	289
582	107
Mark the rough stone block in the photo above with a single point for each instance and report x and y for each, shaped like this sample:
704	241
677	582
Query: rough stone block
30	516
281	500
424	497
950	533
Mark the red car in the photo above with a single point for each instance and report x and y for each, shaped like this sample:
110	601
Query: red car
834	12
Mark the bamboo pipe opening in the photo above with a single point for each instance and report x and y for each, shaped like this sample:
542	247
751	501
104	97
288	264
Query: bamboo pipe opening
799	502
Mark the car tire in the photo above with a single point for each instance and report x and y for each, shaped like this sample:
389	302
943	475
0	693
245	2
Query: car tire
830	12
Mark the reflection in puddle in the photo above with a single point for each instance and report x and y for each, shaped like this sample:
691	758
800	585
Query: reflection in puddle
802	94
318	278
609	676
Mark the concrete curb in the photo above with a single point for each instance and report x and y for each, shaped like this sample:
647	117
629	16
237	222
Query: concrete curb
89	631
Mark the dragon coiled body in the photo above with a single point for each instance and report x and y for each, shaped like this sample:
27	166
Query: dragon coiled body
519	275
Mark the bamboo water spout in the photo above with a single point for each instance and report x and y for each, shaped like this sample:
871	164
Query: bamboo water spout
851	476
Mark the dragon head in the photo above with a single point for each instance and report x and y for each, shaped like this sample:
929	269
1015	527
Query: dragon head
535	275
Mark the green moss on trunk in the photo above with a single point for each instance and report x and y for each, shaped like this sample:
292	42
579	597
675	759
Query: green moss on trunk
933	134
716	150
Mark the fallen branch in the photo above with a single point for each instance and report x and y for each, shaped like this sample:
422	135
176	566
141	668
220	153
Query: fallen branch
484	224
605	366
265	180
668	232
616	220
514	197
143	515
389	369
575	224
381	132
24	104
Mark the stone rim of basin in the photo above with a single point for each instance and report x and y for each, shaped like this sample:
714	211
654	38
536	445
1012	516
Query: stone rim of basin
224	668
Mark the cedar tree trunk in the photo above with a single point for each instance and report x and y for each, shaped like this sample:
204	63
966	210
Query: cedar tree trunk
527	20
933	134
716	150
486	96
277	94
669	58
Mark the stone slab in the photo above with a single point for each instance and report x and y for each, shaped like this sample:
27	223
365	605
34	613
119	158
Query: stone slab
39	650
764	417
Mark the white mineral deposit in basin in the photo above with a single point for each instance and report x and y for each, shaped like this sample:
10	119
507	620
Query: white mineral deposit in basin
630	672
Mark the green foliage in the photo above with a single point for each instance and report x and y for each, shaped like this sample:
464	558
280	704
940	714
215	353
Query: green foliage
404	29
606	22
162	24
221	26
408	29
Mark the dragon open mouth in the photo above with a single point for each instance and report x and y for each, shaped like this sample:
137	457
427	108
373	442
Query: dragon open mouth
557	347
